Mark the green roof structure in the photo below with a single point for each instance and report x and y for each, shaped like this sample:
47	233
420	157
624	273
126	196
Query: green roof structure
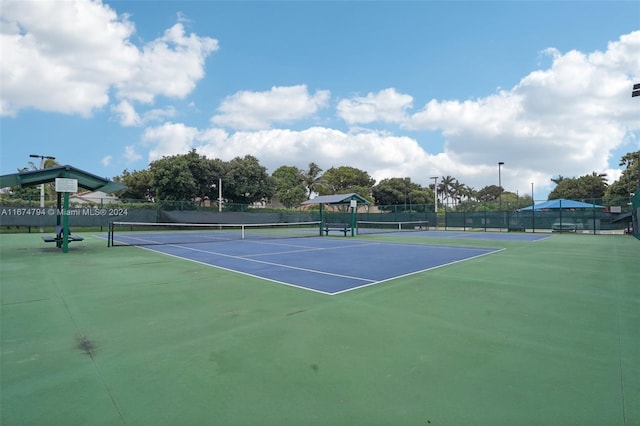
85	179
336	199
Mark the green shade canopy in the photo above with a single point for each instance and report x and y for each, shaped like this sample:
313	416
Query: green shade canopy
36	177
337	199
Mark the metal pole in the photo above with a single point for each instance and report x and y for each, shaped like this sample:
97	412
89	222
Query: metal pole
435	188
42	157
500	164
435	201
636	92
533	211
219	194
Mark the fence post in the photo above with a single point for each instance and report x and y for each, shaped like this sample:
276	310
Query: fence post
560	211
593	208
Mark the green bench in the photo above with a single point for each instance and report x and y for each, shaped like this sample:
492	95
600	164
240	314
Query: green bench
58	239
342	227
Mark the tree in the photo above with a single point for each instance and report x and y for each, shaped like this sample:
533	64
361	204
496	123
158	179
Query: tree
26	192
394	191
289	186
489	193
585	187
139	185
46	164
389	191
557	180
345	179
49	188
185	176
620	191
247	181
312	180
446	188
458	191
172	178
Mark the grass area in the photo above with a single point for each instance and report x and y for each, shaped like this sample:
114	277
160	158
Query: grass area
540	333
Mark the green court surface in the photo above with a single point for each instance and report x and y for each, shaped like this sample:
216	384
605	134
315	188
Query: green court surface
542	333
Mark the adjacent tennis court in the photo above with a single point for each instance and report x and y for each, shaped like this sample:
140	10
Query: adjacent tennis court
456	331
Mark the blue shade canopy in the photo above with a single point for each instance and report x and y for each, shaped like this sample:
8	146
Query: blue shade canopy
36	177
562	203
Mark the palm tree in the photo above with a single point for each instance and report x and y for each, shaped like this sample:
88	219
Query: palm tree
470	193
47	163
446	187
459	191
312	179
602	177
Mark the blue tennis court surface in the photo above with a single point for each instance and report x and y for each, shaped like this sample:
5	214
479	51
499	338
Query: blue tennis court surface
325	265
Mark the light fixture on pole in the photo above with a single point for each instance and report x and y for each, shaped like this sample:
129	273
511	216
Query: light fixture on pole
42	158
500	164
435	189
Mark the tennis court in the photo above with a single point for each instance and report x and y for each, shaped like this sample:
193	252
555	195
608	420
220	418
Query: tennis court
542	332
325	265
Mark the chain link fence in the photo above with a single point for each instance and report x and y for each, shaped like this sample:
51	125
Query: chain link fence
602	216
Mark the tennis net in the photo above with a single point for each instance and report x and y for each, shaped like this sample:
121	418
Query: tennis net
373	227
141	233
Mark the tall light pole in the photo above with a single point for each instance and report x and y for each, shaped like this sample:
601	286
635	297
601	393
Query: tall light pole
435	188
219	194
636	92
533	210
500	164
533	202
42	158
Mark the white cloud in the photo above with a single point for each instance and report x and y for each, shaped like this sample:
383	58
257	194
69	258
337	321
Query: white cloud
550	123
66	56
169	66
387	105
380	154
127	116
130	154
259	110
566	119
169	139
106	161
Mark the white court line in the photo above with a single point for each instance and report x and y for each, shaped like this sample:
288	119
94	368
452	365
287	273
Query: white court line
276	264
237	272
416	272
351	245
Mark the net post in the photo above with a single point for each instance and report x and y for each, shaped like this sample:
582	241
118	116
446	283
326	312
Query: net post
109	234
242	232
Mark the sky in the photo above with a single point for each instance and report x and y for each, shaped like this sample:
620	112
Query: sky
414	89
